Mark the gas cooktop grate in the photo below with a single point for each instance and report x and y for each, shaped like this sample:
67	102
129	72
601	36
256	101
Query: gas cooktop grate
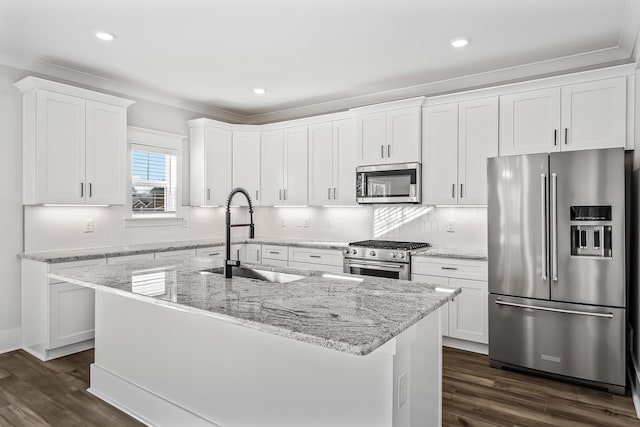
389	244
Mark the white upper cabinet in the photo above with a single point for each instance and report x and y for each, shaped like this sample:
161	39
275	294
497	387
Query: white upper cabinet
594	115
246	165
283	166
210	168
332	163
459	137
74	145
572	117
389	134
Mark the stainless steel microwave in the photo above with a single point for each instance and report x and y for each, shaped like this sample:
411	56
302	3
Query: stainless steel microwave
391	183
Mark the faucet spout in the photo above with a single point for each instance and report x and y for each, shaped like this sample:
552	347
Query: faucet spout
228	262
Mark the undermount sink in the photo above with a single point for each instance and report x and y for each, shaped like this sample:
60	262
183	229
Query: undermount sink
250	273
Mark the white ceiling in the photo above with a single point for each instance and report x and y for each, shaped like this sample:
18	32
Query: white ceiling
311	56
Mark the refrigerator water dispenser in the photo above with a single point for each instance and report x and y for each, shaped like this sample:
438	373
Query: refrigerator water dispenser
591	240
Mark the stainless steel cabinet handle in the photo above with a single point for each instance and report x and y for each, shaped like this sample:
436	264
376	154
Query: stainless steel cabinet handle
90	189
554	227
274	252
389	150
238	254
382	151
461	192
334	193
328	193
373	266
279	194
453	191
214	254
449	268
256	195
315	256
566	136
556	310
555	137
543	222
82	189
208	194
284	194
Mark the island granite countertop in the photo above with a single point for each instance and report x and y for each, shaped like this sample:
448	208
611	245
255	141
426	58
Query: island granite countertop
349	313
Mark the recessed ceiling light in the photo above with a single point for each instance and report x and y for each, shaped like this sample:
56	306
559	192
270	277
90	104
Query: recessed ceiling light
459	42
105	36
259	91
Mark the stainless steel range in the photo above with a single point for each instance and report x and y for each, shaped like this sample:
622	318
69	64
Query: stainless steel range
380	258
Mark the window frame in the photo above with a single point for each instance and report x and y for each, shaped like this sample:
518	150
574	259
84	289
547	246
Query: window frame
140	139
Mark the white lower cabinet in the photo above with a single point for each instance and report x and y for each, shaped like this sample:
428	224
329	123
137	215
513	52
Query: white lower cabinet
252	253
176	256
466	316
275	255
130	258
316	259
57	317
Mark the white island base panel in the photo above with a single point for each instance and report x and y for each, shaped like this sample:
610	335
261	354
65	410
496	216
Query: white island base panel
169	367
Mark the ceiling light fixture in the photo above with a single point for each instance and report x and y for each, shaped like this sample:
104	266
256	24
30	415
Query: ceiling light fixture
259	91
105	36
459	42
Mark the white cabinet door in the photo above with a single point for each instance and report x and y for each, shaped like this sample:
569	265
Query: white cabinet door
403	135
372	138
295	173
344	162
530	122
60	148
71	314
252	253
272	167
218	163
106	144
594	115
440	156
321	164
477	140
246	165
468	313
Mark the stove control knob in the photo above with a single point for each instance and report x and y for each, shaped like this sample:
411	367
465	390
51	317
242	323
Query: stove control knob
401	255
392	254
346	251
372	253
354	251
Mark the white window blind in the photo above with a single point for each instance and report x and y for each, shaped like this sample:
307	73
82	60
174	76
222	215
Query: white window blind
153	181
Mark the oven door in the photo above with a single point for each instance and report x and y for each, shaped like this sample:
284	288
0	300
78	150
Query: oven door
389	270
396	183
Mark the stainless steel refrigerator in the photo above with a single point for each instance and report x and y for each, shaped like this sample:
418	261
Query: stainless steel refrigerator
557	264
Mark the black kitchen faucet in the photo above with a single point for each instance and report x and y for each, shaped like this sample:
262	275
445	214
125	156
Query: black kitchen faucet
228	262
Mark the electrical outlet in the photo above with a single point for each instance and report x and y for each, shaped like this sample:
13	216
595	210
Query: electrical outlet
299	222
451	226
88	226
402	389
282	223
307	222
185	223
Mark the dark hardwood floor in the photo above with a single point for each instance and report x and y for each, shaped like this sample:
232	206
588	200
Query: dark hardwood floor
35	393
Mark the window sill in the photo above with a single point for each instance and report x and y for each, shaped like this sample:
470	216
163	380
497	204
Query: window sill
153	221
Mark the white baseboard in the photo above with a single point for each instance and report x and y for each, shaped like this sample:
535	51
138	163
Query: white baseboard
465	345
10	340
149	407
634	383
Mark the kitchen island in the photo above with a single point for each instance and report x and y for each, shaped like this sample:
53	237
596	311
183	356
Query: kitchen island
176	345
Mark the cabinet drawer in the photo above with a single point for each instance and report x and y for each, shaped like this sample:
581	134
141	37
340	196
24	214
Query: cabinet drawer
128	258
213	252
433	280
274	252
450	267
176	255
60	268
316	256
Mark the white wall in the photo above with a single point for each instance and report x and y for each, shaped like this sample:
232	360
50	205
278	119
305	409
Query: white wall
11	212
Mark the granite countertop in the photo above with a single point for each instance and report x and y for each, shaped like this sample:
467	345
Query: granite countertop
446	252
67	255
349	313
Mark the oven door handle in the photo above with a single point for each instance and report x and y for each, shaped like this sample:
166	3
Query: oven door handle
377	266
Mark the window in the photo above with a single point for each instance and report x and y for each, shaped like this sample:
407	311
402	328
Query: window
153	181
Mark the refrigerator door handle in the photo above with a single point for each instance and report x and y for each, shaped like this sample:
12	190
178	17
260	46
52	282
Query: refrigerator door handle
554	227
543	222
556	310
